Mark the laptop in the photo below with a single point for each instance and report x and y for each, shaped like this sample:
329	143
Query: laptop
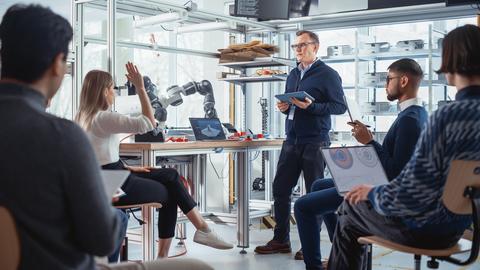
113	180
354	165
207	129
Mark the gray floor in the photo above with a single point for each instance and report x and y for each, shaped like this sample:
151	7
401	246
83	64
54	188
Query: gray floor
232	259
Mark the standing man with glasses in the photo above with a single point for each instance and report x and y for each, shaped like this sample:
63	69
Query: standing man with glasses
306	126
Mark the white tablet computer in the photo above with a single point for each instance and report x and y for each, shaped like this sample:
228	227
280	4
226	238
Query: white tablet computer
354	165
300	95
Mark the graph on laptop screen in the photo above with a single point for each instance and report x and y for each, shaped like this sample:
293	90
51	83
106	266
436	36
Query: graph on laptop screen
354	165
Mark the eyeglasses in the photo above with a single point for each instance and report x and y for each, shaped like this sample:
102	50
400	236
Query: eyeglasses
391	78
301	45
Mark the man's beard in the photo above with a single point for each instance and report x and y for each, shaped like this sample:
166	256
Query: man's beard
394	96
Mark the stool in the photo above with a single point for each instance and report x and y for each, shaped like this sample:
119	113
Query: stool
147	228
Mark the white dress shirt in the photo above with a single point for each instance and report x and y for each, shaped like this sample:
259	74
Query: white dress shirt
409	102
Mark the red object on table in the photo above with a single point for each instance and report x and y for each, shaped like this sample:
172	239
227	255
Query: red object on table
177	139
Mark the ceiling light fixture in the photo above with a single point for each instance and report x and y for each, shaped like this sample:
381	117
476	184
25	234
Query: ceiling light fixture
175	16
207	27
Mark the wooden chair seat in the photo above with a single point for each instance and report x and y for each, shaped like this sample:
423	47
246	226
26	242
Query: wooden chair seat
462	246
139	205
9	242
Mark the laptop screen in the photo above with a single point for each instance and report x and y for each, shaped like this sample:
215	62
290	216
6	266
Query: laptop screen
354	165
207	129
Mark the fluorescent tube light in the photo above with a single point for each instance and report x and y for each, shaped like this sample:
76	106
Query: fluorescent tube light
162	18
207	27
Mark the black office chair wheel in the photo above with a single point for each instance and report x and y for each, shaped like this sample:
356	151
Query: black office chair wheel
432	264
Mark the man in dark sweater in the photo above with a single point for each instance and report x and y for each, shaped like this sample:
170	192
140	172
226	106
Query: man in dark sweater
404	78
50	179
307	126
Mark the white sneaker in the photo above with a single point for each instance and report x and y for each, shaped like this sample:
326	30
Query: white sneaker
211	239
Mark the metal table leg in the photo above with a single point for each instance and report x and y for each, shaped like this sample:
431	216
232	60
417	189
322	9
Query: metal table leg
243	196
199	176
181	229
148	215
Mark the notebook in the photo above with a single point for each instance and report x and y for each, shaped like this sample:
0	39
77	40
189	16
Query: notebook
113	180
354	165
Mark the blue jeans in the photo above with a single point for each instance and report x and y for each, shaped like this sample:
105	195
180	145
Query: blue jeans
320	204
113	258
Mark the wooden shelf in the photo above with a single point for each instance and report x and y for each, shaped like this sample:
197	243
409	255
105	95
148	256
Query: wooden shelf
272	78
261	62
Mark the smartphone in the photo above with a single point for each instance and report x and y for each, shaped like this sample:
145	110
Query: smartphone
350	114
353	124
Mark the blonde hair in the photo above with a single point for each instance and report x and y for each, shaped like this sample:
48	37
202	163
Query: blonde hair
92	97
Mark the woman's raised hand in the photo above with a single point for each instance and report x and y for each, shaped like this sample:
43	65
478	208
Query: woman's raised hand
134	76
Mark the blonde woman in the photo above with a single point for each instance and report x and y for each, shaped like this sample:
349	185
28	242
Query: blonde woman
144	184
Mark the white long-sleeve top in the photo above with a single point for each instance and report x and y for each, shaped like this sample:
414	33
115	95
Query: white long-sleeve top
105	129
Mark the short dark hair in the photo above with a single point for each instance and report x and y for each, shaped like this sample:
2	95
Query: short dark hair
31	37
461	51
407	65
310	34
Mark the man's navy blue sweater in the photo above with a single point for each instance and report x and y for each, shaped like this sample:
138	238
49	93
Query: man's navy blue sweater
312	124
400	141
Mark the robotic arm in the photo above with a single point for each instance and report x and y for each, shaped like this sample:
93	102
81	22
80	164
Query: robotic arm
174	97
204	88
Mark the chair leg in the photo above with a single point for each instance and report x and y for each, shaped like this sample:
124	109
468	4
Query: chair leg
432	263
418	262
124	250
369	256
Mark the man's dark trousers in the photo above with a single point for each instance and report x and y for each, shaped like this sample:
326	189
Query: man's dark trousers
362	220
294	158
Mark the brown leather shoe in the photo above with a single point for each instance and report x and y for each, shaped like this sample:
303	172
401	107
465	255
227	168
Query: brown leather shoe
274	246
299	255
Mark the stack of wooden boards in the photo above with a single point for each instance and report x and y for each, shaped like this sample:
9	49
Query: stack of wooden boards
246	51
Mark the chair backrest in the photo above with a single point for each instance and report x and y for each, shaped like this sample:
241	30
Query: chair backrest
462	174
9	242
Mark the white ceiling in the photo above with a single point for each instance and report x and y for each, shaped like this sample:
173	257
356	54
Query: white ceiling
62	7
